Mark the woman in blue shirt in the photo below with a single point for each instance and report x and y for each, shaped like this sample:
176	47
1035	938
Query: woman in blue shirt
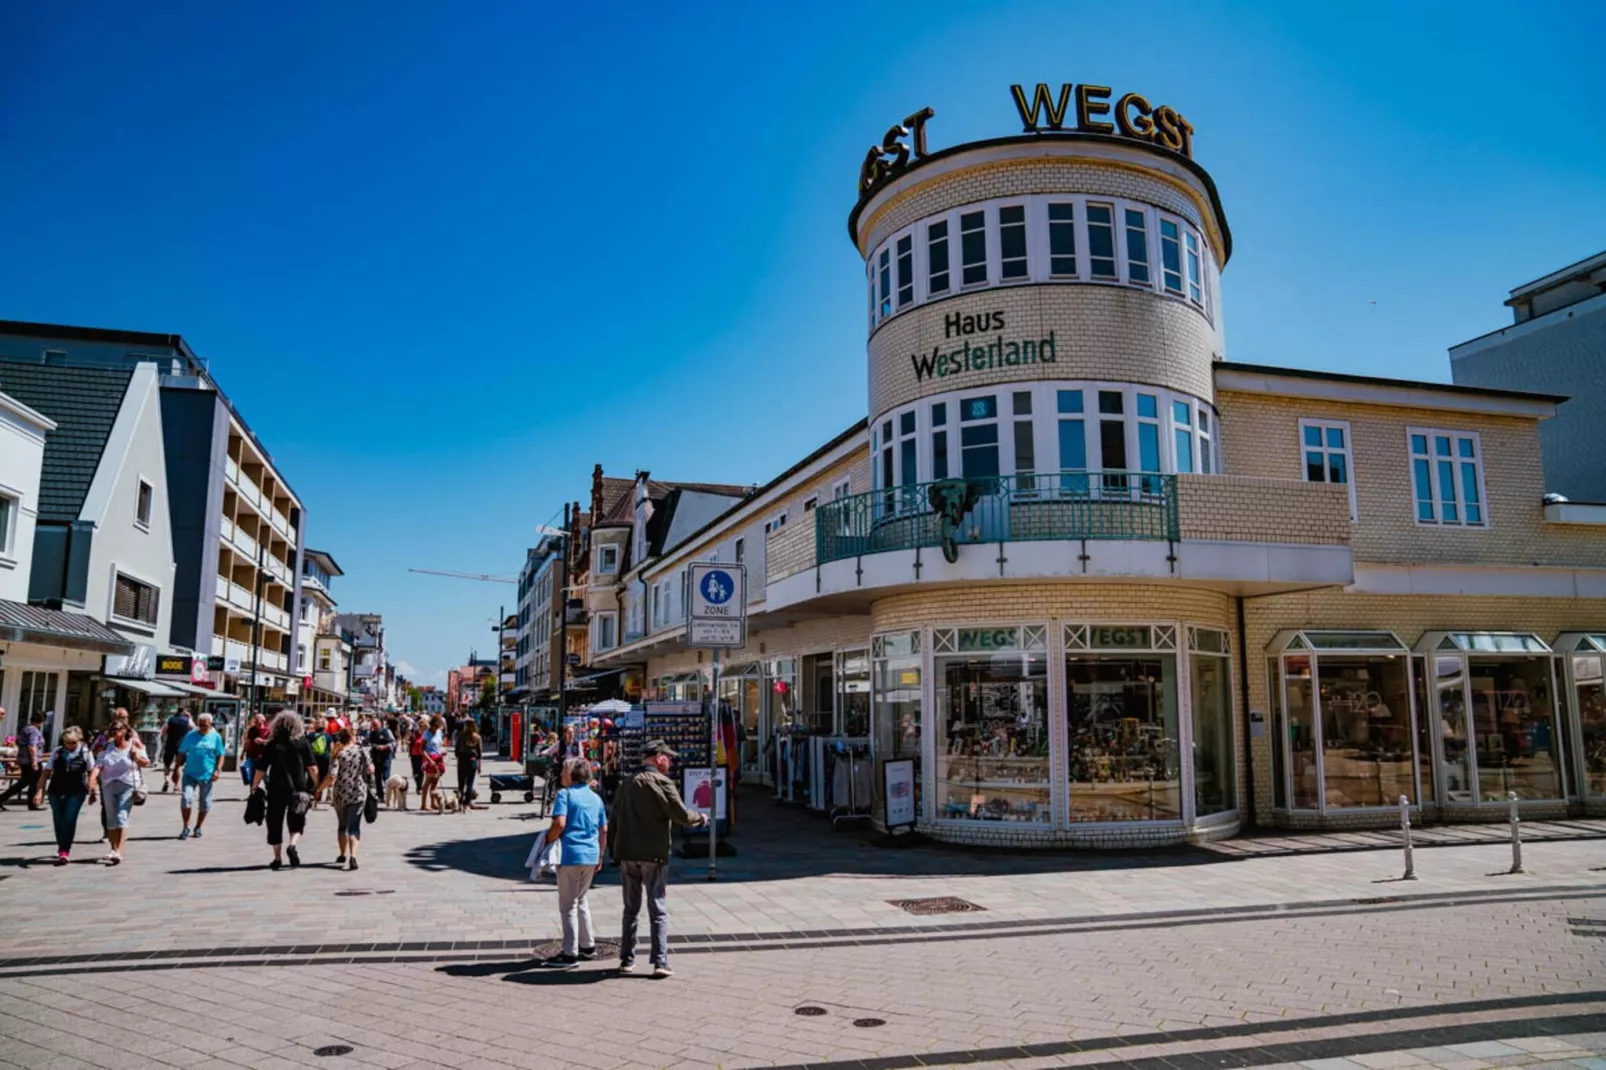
580	827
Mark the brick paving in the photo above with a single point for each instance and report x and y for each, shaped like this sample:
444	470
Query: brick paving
1160	961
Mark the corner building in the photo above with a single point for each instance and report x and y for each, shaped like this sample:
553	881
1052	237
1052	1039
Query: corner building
1108	588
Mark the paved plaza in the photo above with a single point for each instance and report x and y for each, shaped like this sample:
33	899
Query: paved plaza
1264	951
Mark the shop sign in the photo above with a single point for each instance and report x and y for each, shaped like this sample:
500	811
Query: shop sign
703	796
1118	638
1132	116
216	663
975	639
140	665
898	788
982	355
198	674
886	161
175	665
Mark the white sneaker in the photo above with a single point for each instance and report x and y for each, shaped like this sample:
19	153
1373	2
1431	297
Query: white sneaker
113	858
661	972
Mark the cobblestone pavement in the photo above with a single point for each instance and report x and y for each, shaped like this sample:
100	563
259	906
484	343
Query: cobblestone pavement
193	954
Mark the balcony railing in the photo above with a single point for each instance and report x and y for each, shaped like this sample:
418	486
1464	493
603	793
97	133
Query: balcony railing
1025	507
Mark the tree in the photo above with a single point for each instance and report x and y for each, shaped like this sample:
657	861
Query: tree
415	700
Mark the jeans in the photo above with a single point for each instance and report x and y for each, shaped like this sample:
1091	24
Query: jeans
381	772
191	790
418	771
653	879
117	803
351	820
64	810
246	771
27	780
466	772
573	884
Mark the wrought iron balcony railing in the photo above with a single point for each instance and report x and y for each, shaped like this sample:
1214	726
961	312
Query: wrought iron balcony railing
1028	506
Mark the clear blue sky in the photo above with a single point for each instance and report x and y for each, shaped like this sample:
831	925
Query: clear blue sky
447	256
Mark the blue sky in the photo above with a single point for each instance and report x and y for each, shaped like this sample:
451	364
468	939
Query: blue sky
445	257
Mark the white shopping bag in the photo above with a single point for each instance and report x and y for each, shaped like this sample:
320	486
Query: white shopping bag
544	858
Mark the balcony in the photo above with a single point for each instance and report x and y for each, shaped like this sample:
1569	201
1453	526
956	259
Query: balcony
245	543
240	597
226	529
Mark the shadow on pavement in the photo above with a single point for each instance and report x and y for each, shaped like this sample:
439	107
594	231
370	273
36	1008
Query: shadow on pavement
527	971
778	842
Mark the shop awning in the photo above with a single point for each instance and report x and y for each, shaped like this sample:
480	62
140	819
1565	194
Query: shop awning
594	677
22	623
1581	643
1334	642
1481	643
191	689
151	688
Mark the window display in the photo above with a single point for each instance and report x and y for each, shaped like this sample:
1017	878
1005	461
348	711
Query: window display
1304	788
1122	738
896	720
1513	721
991	697
1210	693
1590	689
1368	757
853	697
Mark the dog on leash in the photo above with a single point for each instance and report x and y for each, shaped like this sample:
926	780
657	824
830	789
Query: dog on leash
450	803
396	792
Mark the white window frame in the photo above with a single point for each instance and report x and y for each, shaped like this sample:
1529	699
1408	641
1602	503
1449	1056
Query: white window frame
842	488
597	620
1326	450
811	503
775	523
1456	461
604	550
10	517
143	523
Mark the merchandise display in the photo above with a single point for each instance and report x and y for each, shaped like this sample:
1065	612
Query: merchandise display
993	753
1123	748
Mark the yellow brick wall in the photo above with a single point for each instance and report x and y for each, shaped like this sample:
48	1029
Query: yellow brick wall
1015	178
1248	509
1260	437
1102	332
804	637
790	551
1407	617
989	603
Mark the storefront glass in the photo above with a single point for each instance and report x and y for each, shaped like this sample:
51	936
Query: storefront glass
1368	758
896	712
1590	691
1513	718
1210	692
1123	740
853	695
1455	767
1279	734
1300	707
991	697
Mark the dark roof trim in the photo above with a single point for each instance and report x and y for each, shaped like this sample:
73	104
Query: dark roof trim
328	559
95	334
861	425
1058	135
1373	380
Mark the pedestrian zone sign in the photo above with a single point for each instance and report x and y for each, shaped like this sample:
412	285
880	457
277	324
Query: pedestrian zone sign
716	605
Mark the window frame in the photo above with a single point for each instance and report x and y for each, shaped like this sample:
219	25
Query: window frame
144	503
1456	460
137	623
598	618
10	514
602	567
1349	456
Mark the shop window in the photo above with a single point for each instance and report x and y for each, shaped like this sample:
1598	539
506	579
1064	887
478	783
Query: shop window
1182	431
1279	734
937	258
1210	695
991	696
1062	240
1513	723
896	712
1137	246
978	437
1171	256
906	270
133	600
884	277
1325	446
853	694
1101	240
1584	656
1122	733
1012	241
1447	475
973	248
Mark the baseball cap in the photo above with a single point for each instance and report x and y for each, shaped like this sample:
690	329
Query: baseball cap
658	746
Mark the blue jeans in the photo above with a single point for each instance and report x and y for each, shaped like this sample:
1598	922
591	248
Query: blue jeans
246	771
649	880
192	789
351	820
64	812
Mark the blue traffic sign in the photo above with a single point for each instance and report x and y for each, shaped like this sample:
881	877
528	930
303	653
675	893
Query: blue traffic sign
717	587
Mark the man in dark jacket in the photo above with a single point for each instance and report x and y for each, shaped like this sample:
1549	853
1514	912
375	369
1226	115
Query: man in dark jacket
644	813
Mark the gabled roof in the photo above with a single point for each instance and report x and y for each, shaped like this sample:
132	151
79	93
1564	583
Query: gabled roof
325	561
84	402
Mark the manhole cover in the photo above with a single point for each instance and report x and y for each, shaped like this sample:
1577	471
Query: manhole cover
869	1023
810	1012
942	904
333	1049
606	949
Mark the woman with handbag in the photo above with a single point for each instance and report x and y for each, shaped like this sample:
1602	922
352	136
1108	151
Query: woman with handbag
116	776
352	774
284	770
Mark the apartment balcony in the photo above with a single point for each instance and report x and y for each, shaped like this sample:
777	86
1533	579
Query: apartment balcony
231	470
1228	533
244	543
241	598
226	529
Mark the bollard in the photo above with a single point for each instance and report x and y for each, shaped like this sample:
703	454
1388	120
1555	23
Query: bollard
1405	834
1516	833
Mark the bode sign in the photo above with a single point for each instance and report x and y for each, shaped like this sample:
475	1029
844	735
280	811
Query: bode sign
1131	116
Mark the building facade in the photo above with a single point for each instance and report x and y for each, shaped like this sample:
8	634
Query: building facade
323	656
1104	587
1557	343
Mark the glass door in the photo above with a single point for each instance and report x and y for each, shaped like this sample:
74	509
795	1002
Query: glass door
1589	692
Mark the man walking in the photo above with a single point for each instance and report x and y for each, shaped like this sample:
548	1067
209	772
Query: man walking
201	758
644	813
30	756
381	745
173	732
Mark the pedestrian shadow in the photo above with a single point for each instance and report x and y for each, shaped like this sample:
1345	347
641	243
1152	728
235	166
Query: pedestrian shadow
223	869
528	971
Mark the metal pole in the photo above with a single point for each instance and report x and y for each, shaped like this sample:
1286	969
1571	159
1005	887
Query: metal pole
561	597
713	762
256	632
1405	834
1516	833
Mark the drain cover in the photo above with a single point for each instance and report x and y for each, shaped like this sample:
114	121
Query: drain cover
810	1012
333	1049
869	1023
942	904
606	949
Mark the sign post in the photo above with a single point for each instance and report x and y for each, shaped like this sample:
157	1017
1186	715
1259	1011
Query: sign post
716	619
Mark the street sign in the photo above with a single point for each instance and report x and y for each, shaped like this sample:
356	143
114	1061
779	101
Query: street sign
716	605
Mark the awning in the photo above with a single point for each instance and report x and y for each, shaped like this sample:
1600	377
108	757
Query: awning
191	689
1335	642
1481	643
594	677
22	623
149	687
1581	642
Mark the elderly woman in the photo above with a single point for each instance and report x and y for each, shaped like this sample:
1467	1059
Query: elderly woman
116	776
580	823
285	766
66	783
351	773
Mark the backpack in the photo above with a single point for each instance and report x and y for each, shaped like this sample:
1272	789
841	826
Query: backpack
320	744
